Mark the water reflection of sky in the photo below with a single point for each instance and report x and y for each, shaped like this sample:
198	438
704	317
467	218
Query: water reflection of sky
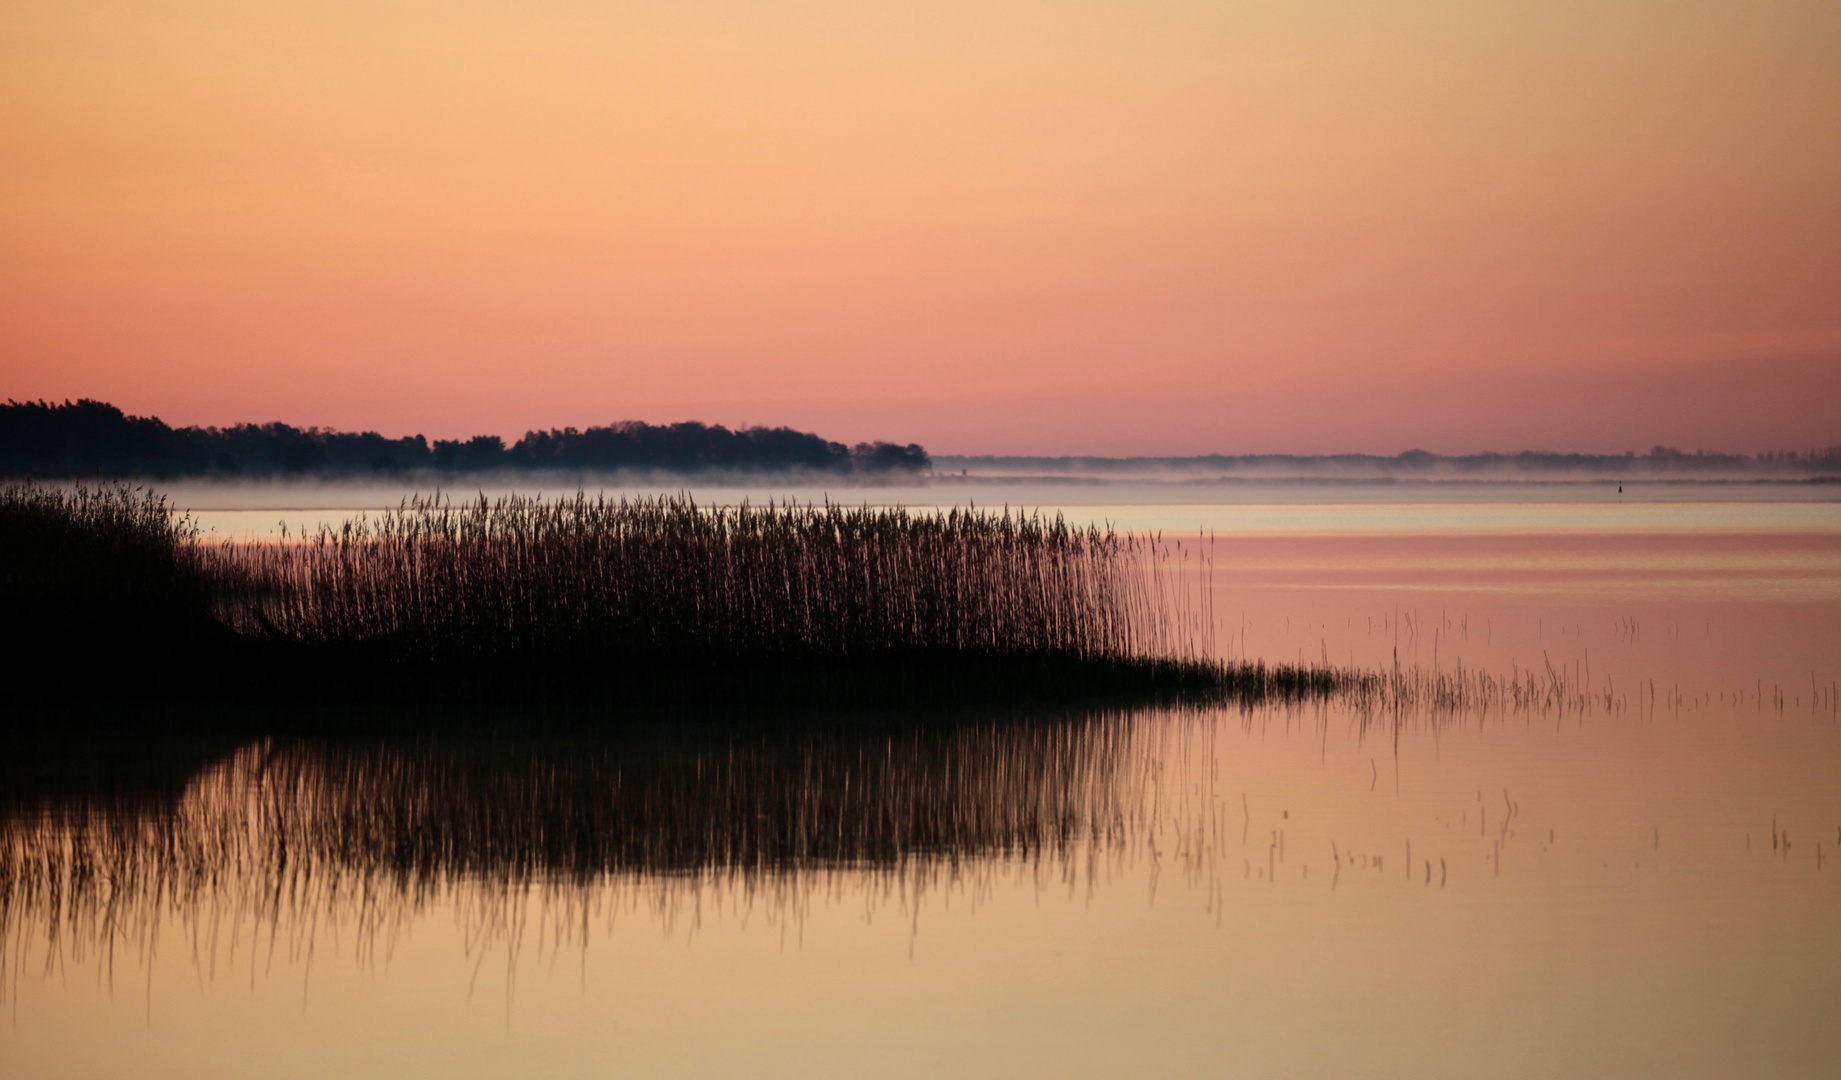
1181	889
1644	887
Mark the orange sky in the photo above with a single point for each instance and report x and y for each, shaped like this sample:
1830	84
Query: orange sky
1087	226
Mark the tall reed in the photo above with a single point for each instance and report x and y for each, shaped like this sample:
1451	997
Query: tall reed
636	580
87	573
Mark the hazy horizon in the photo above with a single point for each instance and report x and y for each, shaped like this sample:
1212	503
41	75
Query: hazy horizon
961	456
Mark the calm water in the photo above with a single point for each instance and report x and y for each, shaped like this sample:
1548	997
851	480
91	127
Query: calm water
1642	882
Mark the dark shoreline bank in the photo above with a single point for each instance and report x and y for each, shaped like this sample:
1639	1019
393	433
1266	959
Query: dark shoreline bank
110	598
239	670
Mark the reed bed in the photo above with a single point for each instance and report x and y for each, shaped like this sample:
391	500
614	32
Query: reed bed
633	581
78	542
96	572
644	598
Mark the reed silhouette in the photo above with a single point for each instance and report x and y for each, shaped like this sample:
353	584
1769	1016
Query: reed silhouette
663	579
644	598
97	577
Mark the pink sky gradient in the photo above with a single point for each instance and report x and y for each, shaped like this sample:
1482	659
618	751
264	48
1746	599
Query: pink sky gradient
1091	228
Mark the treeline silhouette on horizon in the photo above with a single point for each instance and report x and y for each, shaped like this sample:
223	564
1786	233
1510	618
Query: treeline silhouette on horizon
1659	459
91	438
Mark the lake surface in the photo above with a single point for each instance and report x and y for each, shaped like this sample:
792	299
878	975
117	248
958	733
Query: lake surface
1635	878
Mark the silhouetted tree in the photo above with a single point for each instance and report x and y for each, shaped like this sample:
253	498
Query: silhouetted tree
90	438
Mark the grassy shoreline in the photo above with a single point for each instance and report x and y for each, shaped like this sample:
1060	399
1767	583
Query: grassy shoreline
111	596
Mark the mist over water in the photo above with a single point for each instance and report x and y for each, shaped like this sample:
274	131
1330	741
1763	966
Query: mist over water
1637	875
1177	504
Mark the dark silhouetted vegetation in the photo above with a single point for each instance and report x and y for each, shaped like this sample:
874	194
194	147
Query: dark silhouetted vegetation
103	576
91	438
655	598
1660	461
663	579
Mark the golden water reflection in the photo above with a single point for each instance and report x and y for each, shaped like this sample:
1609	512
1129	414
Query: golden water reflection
1271	890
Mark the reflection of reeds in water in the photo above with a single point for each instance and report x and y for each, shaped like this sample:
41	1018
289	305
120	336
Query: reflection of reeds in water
283	838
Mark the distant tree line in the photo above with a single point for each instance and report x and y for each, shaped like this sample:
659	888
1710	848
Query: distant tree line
1659	460
89	438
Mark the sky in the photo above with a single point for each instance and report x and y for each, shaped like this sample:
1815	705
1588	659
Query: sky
1004	226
